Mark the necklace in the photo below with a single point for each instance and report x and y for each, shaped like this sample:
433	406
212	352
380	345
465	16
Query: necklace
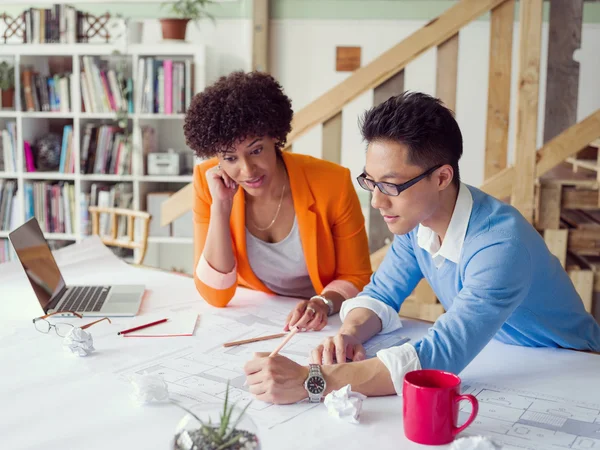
276	214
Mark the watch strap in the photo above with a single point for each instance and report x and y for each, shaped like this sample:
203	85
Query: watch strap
328	302
314	369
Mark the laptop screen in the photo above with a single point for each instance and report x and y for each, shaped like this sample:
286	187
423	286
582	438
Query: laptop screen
37	261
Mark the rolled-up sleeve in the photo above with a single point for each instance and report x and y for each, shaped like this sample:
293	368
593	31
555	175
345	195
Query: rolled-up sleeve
214	287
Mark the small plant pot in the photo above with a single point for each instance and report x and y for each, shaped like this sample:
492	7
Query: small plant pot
191	435
174	28
8	98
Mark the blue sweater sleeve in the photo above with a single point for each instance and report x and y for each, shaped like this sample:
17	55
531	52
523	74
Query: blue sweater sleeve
397	275
497	279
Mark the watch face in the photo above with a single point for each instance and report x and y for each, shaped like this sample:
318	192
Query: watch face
315	385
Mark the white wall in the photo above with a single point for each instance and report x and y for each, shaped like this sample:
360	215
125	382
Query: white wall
303	59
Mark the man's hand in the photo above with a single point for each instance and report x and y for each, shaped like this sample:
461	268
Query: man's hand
276	379
337	349
307	315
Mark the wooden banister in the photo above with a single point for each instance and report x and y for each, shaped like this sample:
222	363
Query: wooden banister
331	103
566	144
436	32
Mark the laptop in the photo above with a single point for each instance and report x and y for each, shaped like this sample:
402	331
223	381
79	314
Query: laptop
49	286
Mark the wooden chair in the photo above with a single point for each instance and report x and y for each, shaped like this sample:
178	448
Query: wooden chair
126	241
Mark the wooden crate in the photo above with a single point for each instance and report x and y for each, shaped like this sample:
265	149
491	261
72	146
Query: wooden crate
568	216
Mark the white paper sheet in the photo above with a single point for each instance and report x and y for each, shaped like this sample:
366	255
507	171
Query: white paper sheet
177	324
520	419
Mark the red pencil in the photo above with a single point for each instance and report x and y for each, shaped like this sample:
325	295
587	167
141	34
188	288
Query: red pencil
142	326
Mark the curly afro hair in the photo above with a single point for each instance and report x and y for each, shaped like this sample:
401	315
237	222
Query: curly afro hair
236	107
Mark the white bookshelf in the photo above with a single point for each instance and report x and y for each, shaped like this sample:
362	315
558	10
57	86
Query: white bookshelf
169	130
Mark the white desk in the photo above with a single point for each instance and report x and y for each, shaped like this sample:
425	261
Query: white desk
52	400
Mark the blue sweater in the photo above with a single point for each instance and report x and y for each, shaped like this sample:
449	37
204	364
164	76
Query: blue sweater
507	286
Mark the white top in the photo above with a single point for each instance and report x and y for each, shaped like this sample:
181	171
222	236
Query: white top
281	265
402	359
450	249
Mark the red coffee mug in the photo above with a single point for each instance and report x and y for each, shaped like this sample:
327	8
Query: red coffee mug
430	406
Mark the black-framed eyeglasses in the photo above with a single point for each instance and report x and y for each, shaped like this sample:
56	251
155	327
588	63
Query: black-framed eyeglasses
391	188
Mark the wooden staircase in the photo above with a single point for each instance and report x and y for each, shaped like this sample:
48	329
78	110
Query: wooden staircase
519	184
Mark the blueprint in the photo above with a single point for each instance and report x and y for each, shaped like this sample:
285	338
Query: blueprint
200	373
527	420
196	377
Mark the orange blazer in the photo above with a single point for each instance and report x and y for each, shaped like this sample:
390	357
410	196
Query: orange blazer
330	222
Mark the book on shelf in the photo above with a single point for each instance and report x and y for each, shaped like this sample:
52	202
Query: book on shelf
60	24
52	204
104	90
119	195
8	148
7	253
9	205
49	93
105	150
163	86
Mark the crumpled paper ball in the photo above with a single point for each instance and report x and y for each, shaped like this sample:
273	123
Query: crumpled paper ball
79	342
474	443
345	404
148	388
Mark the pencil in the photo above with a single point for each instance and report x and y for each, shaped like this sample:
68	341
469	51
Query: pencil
285	341
142	326
256	339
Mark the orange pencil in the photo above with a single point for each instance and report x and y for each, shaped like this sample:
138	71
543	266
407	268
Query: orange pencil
285	341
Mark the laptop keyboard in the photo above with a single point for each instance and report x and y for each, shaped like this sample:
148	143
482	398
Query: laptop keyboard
85	298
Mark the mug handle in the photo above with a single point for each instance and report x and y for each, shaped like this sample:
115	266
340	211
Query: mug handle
474	404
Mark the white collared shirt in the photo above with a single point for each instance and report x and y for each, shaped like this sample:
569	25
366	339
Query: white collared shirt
402	359
451	247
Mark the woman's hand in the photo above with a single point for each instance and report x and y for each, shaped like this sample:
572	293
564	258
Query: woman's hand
308	315
222	188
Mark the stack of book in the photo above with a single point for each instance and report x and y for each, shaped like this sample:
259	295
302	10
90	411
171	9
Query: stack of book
105	150
51	93
104	89
163	86
52	204
8	148
119	195
7	253
9	206
61	24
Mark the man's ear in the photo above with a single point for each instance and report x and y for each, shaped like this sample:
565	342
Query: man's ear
445	175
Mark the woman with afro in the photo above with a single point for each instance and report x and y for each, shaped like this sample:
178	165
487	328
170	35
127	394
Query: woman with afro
273	221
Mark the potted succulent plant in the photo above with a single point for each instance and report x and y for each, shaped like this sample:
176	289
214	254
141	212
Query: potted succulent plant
212	427
182	11
7	84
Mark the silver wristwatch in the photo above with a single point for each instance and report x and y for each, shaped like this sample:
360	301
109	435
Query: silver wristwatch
328	302
315	384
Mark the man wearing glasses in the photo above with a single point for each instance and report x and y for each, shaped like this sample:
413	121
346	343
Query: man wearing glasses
490	269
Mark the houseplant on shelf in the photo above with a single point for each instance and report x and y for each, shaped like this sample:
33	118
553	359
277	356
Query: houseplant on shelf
7	85
175	26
